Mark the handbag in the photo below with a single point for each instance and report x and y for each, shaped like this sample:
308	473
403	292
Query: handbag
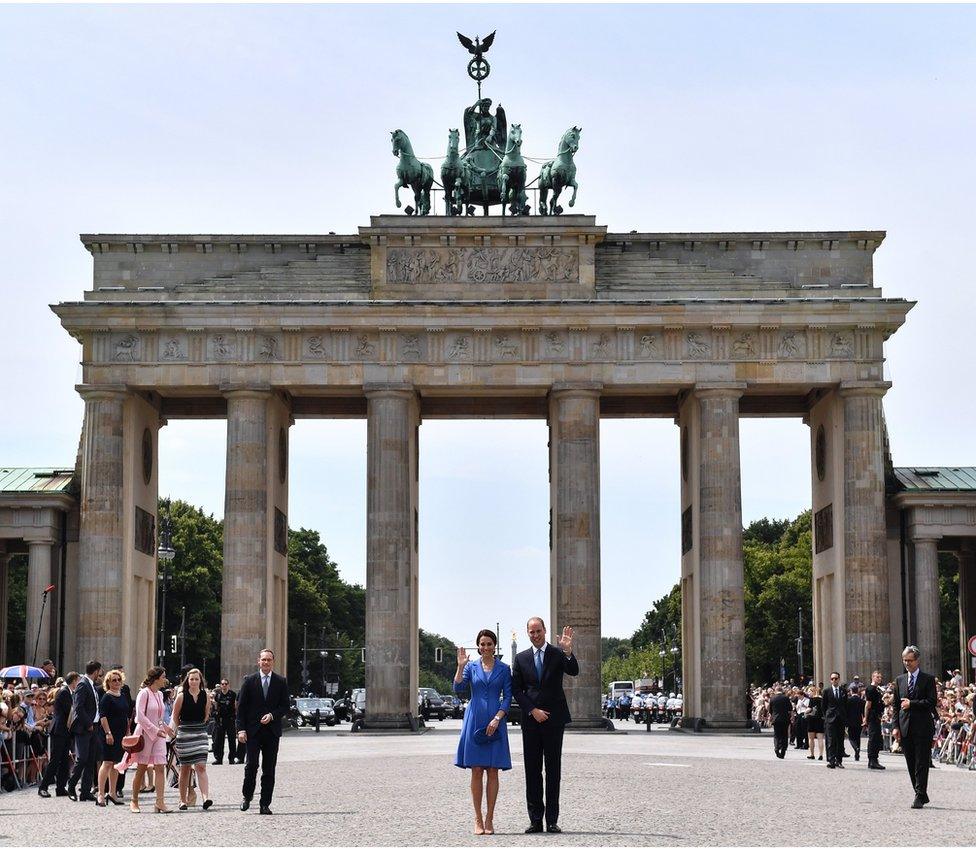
133	743
482	737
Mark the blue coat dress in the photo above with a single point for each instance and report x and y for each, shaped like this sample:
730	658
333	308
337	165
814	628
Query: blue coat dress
489	693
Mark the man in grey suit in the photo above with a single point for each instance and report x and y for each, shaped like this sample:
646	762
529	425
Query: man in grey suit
915	700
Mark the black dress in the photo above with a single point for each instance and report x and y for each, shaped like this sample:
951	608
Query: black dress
115	709
815	718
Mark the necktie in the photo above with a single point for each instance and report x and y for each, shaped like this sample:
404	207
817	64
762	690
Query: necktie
835	692
264	686
538	665
911	685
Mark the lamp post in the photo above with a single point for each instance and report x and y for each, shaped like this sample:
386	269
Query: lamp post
165	555
799	642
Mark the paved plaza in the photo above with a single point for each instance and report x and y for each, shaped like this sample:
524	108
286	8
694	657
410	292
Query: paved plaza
658	788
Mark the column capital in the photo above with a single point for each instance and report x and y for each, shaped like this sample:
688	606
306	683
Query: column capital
102	392
720	389
391	389
850	389
39	541
924	537
229	391
565	389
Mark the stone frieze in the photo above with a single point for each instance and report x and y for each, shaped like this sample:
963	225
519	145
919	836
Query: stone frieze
485	265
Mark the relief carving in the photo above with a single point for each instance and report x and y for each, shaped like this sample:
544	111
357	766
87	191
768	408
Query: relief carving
126	348
269	348
602	346
459	348
411	346
841	345
506	347
648	345
315	347
697	346
364	348
172	349
789	345
482	265
221	348
555	343
744	345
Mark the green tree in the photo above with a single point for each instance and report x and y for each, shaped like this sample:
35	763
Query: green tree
949	611
196	570
15	617
439	676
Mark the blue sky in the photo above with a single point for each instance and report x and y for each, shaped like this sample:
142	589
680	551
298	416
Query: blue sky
277	119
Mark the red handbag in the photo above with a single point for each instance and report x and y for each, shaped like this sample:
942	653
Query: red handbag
133	743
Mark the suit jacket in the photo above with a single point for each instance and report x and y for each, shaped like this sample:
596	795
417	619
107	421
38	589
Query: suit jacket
252	705
917	720
835	708
855	710
780	708
59	718
548	694
85	705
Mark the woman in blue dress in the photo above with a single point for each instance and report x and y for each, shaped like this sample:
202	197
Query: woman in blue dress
484	734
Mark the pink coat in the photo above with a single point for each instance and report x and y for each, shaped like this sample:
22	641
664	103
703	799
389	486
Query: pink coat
149	720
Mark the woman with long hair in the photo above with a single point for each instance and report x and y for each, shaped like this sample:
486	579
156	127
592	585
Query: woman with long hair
484	734
191	712
815	721
113	709
149	719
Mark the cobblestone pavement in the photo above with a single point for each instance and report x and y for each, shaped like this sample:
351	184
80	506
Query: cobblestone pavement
639	788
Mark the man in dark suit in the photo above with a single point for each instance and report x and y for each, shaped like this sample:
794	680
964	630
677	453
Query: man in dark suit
537	686
855	717
57	767
84	707
835	720
780	710
261	704
915	699
873	709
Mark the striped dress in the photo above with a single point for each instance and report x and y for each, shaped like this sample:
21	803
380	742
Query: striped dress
192	743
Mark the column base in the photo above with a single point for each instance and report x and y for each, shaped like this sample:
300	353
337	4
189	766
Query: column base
398	723
701	724
591	724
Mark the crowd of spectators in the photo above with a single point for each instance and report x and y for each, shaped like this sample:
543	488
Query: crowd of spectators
955	738
654	707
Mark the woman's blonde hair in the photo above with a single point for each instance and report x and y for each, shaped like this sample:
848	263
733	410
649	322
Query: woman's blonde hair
113	674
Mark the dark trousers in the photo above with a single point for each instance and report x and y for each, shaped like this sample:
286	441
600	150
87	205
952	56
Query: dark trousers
225	730
918	755
834	732
57	768
263	743
86	756
874	739
854	736
781	737
542	744
800	730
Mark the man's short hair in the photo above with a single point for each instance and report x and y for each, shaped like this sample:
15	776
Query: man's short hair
913	650
834	673
72	677
266	650
92	667
541	621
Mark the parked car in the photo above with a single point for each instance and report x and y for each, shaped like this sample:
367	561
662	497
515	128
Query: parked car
307	706
358	698
436	706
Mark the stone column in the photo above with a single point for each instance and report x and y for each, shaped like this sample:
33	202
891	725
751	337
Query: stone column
574	484
4	601
928	631
723	650
244	592
392	636
867	617
967	606
38	625
100	561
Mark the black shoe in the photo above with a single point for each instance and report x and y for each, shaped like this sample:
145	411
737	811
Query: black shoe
811	758
264	810
819	758
847	755
918	802
874	765
831	765
220	762
182	807
840	764
43	792
245	805
781	755
72	795
553	828
857	756
61	793
87	798
925	798
533	827
207	804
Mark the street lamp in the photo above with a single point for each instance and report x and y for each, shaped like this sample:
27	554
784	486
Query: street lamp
165	554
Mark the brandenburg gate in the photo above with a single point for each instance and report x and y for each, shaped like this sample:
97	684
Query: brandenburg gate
545	316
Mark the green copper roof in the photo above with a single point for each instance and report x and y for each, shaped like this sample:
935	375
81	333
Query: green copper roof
916	478
31	479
